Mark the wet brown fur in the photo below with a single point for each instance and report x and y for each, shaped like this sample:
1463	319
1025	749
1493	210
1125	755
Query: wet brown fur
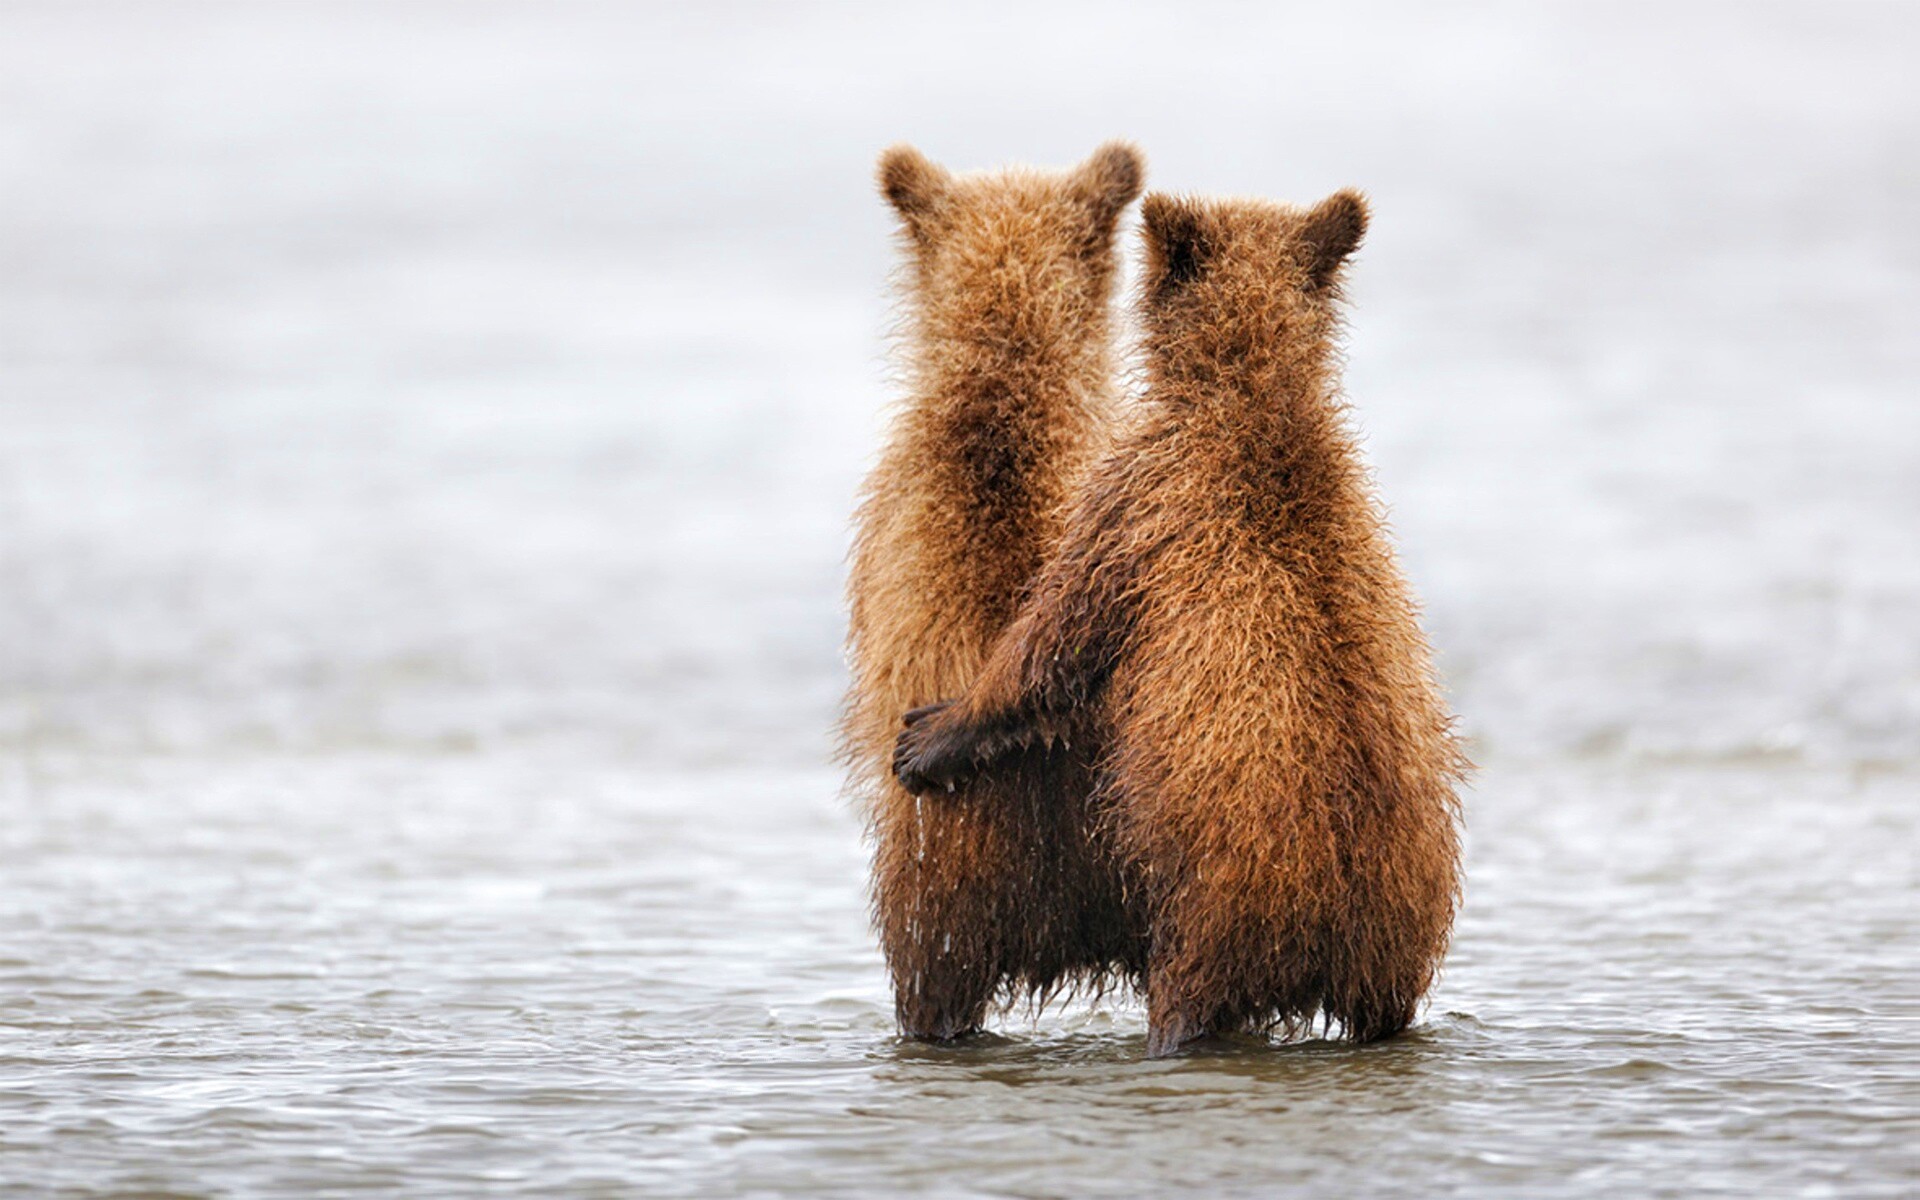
1008	288
1225	626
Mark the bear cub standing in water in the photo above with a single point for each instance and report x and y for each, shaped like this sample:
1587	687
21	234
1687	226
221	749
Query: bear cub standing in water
1009	281
1225	629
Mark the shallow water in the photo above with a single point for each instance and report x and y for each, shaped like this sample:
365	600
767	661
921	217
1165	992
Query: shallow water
428	437
354	972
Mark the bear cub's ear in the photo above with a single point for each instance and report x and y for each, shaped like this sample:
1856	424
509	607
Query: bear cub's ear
912	183
1177	244
1110	179
1331	232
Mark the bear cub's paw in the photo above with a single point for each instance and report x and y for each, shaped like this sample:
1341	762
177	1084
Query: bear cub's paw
935	752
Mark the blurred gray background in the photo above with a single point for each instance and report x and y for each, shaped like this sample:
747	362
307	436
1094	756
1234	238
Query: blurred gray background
452	376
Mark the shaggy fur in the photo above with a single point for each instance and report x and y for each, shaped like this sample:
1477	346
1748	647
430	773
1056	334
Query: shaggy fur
1225	627
1008	285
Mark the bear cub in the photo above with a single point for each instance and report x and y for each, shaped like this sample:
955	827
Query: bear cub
1224	633
1008	283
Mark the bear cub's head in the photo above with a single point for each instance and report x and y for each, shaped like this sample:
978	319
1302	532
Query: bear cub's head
1248	270
1016	257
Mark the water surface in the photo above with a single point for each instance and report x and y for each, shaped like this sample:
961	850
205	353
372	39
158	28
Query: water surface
407	974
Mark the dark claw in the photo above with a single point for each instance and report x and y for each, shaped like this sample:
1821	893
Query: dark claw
914	715
903	756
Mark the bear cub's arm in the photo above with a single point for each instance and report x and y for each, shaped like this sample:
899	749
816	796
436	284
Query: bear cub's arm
941	748
1045	671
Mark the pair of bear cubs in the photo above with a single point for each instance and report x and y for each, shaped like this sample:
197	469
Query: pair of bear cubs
1138	691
